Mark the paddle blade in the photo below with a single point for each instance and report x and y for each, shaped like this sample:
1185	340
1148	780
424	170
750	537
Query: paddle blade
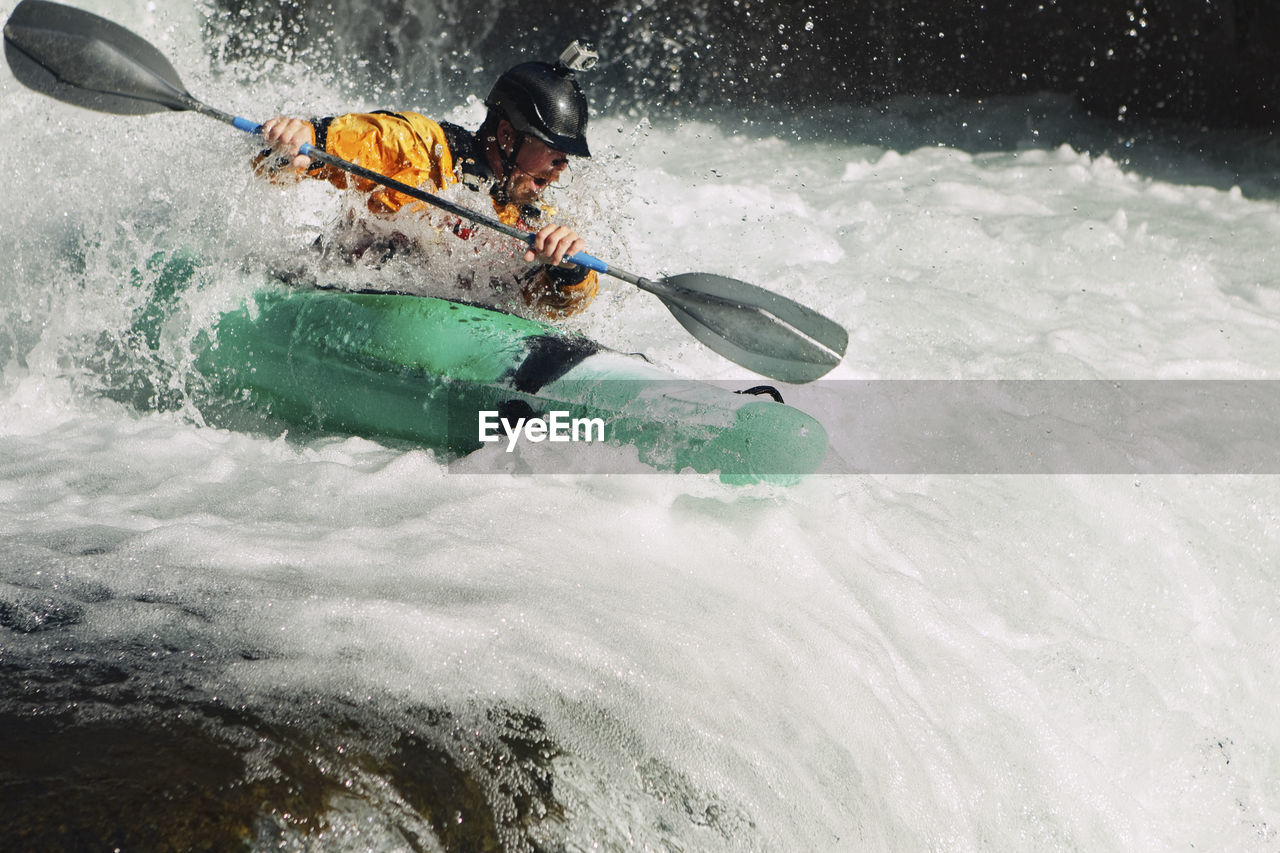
88	61
753	327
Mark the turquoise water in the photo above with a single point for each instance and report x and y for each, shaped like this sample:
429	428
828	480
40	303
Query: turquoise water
335	644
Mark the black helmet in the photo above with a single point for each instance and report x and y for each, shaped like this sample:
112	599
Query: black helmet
544	101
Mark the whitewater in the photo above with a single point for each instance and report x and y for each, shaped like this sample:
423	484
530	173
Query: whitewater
211	636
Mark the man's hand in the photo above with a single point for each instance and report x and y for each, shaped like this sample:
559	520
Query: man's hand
553	243
286	135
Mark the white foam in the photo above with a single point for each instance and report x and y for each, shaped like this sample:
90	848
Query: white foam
956	663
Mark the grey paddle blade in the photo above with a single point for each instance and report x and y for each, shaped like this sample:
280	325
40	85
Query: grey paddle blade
760	330
786	368
88	61
825	331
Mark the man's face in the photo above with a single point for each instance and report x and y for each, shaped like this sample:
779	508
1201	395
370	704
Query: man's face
537	166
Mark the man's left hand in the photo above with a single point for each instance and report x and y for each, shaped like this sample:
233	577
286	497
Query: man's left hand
553	244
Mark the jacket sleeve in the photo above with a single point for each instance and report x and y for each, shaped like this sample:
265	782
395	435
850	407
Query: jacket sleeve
407	147
559	292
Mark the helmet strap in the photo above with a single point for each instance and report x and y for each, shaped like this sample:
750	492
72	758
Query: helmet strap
502	192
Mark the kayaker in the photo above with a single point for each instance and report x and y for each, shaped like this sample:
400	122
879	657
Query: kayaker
536	121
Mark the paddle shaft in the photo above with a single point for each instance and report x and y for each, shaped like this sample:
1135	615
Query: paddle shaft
662	289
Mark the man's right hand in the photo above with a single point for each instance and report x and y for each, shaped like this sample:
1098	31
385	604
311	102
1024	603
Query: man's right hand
286	135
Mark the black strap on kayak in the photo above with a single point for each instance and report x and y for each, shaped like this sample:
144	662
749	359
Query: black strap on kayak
549	358
763	391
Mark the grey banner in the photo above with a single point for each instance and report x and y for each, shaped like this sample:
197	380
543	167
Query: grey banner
983	426
1056	427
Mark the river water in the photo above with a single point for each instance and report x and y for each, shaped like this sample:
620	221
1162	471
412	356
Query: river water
212	637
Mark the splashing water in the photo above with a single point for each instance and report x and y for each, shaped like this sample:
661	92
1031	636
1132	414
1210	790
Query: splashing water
327	642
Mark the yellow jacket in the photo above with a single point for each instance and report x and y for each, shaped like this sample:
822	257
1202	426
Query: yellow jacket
416	151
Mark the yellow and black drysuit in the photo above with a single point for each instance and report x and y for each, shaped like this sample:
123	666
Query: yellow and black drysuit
420	152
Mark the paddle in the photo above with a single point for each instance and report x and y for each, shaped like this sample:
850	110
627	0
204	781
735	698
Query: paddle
88	61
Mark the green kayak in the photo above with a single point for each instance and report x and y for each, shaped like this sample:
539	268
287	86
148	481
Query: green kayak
455	378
